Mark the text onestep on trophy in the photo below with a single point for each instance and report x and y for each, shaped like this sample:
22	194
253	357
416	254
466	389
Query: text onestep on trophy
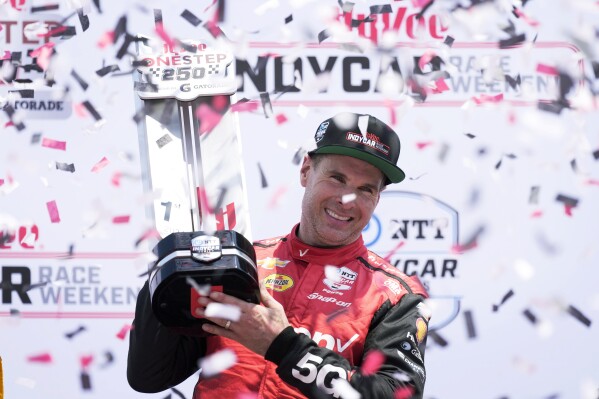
190	153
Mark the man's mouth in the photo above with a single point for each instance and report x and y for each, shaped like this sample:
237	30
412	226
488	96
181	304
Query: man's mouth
337	217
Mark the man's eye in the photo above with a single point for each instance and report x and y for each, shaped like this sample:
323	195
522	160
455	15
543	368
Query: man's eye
338	178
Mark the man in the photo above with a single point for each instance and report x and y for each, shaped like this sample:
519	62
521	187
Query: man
340	318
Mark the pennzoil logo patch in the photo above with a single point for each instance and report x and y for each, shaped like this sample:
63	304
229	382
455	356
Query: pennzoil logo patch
278	282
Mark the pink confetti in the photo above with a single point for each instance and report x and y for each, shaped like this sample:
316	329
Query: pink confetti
277	196
164	36
123	332
42	358
423	144
101	164
536	214
121	219
530	21
55	144
400	244
245	106
9	123
6	55
43	54
55	31
86	360
281	118
1	182
106	39
458	249
592	182
80	110
372	362
53	211
219	103
404	392
485	98
426	57
203	202
17	4
209	118
440	86
568	209
210	5
547	70
116	179
420	3
150	233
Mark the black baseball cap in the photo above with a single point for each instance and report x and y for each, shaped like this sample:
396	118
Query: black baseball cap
364	137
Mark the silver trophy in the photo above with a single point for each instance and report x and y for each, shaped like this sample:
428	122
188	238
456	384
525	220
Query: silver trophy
192	168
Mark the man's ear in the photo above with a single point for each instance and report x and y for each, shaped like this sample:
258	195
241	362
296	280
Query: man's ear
306	166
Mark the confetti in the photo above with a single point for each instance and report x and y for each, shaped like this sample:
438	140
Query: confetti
107	69
244	106
191	18
530	316
533	198
48	7
470	135
381	9
121	219
323	35
85	361
79	80
55	144
289	18
217	362
346	198
372	362
577	314
469	324
78	331
437	338
404	392
53	211
109	359
266	104
547	70
123	331
86	384
512	41
280	119
83	19
90	108
41	358
67	167
223	311
507	296
470	243
101	164
208	118
263	182
400	244
341	388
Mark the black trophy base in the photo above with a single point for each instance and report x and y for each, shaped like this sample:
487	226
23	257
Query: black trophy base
184	264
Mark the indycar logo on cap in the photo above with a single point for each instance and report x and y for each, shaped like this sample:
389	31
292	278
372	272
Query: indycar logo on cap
206	248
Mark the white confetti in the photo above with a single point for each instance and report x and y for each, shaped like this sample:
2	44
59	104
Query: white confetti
302	110
26	382
524	269
348	198
343	389
223	311
217	362
332	273
202	289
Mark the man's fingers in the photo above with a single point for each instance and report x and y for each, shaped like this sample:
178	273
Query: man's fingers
267	299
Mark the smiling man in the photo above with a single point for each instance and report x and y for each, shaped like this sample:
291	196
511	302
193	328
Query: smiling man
334	320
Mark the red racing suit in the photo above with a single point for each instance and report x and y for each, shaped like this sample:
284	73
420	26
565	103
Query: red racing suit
338	315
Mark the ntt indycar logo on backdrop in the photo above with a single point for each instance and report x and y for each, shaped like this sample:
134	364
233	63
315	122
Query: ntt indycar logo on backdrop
417	233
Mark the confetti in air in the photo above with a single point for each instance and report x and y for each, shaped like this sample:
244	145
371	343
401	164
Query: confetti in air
507	296
217	362
223	311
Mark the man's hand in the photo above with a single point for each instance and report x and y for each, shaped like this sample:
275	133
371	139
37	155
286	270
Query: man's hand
257	326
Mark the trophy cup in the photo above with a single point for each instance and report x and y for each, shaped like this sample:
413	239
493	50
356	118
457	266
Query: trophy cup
192	168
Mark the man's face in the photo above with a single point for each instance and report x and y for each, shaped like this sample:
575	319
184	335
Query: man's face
326	220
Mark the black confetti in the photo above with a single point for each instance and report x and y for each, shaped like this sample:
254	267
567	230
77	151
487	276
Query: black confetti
449	41
191	18
348	6
83	19
595	69
512	41
48	7
577	314
10	112
97	4
596	154
121	28
178	393
263	181
298	156
469	324
266	104
107	69
29	287
27	93
574	166
164	140
289	18
513	82
530	316
109	359
167	210
72	334
438	339
533	198
157	16
36	138
568	201
67	167
555	107
470	135
443	152
472	242
79	80
381	9
507	296
86	383
125	46
15	312
545	244
90	108
213	29
323	35
474	197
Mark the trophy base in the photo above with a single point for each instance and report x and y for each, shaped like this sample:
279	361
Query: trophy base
223	261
